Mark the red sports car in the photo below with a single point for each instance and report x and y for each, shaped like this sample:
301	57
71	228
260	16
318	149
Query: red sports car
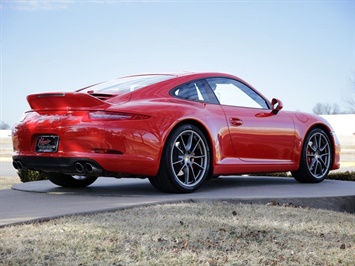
175	129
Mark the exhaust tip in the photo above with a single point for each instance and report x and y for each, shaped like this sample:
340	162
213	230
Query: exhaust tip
79	167
14	164
88	167
17	165
92	169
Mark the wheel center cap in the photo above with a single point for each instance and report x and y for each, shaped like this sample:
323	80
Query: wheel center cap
187	158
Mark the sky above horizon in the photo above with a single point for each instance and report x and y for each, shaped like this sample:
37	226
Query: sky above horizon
302	52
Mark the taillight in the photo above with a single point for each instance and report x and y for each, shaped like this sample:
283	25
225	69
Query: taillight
103	115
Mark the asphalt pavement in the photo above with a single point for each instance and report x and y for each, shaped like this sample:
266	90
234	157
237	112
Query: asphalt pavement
42	200
6	168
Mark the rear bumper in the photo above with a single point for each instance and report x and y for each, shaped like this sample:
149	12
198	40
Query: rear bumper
74	166
94	165
115	148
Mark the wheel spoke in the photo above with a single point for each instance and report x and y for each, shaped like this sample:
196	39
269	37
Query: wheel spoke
198	165
310	146
192	171
323	162
177	147
186	175
179	161
315	167
320	168
324	147
310	155
199	156
319	144
189	142
180	170
311	165
197	143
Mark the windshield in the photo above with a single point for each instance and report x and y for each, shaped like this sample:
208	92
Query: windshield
126	84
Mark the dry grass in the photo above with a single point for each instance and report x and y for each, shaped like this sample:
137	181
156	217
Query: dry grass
8	182
210	233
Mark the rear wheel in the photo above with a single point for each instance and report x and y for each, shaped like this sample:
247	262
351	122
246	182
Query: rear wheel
185	161
64	180
316	158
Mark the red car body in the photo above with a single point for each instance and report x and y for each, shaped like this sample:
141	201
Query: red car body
96	133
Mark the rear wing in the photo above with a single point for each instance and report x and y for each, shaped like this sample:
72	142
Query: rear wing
64	101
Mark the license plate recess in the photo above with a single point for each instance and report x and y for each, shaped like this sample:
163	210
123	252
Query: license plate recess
47	143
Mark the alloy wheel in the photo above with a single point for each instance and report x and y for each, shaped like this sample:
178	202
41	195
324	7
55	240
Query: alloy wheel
189	158
318	155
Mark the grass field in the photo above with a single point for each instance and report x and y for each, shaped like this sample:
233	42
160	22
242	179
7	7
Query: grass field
210	233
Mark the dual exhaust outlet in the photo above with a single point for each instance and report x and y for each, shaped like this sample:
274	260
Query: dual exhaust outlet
80	167
87	168
17	165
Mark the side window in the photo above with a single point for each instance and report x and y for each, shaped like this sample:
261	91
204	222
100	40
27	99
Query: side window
195	91
234	93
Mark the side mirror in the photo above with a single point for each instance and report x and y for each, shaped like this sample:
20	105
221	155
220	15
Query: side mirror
276	106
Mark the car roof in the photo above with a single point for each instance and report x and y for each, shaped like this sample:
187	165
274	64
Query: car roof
181	73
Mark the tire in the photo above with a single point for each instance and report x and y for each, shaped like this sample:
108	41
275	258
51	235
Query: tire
185	161
64	180
316	158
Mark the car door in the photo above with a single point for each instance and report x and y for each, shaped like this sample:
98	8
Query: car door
257	134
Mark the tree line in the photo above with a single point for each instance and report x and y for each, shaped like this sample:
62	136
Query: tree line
328	109
349	104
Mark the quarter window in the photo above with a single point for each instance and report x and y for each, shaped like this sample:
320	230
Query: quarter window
195	91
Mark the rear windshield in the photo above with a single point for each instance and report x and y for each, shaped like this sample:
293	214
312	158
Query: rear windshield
126	84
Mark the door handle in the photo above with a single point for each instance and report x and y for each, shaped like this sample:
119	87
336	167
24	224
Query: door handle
235	121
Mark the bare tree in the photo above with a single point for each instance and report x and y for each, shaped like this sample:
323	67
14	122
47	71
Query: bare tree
349	99
336	109
4	125
318	109
326	109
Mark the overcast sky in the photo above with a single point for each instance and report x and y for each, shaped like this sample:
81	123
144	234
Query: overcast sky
302	52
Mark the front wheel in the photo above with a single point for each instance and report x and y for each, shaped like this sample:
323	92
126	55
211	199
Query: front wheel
64	180
316	158
185	161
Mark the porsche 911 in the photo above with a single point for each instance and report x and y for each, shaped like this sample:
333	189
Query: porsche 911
177	130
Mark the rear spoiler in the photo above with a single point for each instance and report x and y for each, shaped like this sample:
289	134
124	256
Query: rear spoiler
64	101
